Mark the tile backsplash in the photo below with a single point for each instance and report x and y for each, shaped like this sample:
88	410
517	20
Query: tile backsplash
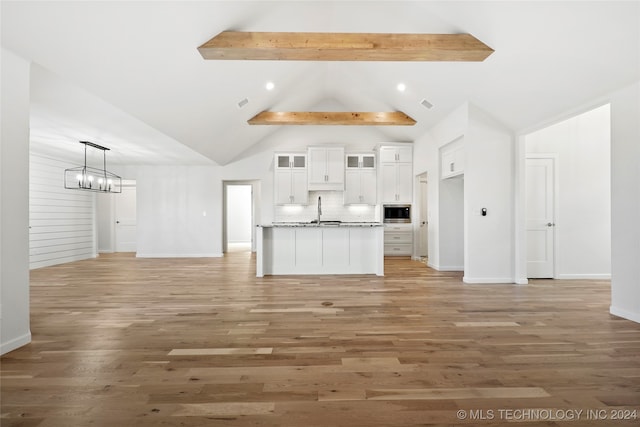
333	208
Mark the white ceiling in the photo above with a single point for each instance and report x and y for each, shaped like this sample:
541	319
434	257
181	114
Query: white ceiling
128	75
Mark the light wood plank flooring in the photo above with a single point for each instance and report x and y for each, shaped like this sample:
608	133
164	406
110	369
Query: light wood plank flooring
120	341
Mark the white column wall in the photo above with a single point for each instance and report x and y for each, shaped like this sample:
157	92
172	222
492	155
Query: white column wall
625	203
488	183
14	203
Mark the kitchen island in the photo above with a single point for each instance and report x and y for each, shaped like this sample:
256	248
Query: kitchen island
328	247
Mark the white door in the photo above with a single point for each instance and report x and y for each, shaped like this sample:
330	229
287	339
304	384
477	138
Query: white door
540	213
424	224
125	207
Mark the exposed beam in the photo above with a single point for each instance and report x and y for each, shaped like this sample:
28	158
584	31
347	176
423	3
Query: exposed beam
344	47
393	118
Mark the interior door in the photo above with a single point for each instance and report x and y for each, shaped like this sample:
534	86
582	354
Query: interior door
424	223
540	213
125	207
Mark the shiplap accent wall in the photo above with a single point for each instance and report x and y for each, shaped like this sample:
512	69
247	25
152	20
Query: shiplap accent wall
61	221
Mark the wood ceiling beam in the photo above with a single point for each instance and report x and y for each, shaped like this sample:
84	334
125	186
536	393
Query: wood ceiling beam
234	45
347	118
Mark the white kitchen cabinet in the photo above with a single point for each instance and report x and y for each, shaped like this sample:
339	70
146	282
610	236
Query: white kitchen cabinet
397	183
396	174
398	240
326	168
452	162
290	180
360	179
396	154
345	249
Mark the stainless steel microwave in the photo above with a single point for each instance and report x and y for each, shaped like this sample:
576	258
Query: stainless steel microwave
397	213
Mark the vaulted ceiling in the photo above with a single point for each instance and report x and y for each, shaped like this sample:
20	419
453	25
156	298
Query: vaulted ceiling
128	75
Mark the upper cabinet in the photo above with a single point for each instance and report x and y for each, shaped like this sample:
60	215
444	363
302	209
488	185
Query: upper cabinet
396	154
360	179
326	168
290	180
396	173
452	159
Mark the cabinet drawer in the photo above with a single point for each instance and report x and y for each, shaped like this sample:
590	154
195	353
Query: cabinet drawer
397	227
400	249
397	237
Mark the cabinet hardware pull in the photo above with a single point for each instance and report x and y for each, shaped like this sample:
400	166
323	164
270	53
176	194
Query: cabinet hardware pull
451	167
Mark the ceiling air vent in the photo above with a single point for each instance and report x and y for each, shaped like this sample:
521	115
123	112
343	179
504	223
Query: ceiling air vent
243	102
426	104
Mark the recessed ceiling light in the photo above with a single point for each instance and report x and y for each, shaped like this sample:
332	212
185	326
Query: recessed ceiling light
270	85
401	87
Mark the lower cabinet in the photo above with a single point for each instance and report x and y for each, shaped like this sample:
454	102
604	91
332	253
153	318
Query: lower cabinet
398	240
320	250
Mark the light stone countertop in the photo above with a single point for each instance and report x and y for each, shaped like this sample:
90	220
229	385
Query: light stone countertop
323	224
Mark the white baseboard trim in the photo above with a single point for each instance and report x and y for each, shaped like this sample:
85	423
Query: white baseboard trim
488	280
211	255
524	281
106	252
17	342
584	276
626	314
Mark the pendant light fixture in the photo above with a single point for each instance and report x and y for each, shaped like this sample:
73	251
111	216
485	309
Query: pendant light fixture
92	179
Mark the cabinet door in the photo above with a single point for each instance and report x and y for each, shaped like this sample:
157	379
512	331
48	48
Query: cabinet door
388	175
335	165
352	187
317	165
405	154
388	154
459	159
352	161
282	187
368	188
299	189
283	161
405	182
448	163
368	161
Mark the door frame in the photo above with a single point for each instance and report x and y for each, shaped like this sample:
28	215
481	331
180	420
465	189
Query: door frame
255	209
556	207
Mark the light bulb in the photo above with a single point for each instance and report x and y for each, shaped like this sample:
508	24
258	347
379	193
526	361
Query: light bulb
401	87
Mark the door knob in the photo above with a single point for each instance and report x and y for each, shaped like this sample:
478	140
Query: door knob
549	224
117	222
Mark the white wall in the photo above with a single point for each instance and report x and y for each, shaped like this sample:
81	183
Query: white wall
426	159
105	223
179	211
583	217
488	183
239	213
14	203
625	203
451	205
61	221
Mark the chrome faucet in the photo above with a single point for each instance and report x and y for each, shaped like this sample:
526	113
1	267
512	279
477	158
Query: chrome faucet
319	208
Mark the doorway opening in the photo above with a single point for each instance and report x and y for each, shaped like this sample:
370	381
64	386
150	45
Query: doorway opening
240	215
423	219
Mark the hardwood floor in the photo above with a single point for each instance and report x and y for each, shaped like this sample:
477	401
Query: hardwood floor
121	341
